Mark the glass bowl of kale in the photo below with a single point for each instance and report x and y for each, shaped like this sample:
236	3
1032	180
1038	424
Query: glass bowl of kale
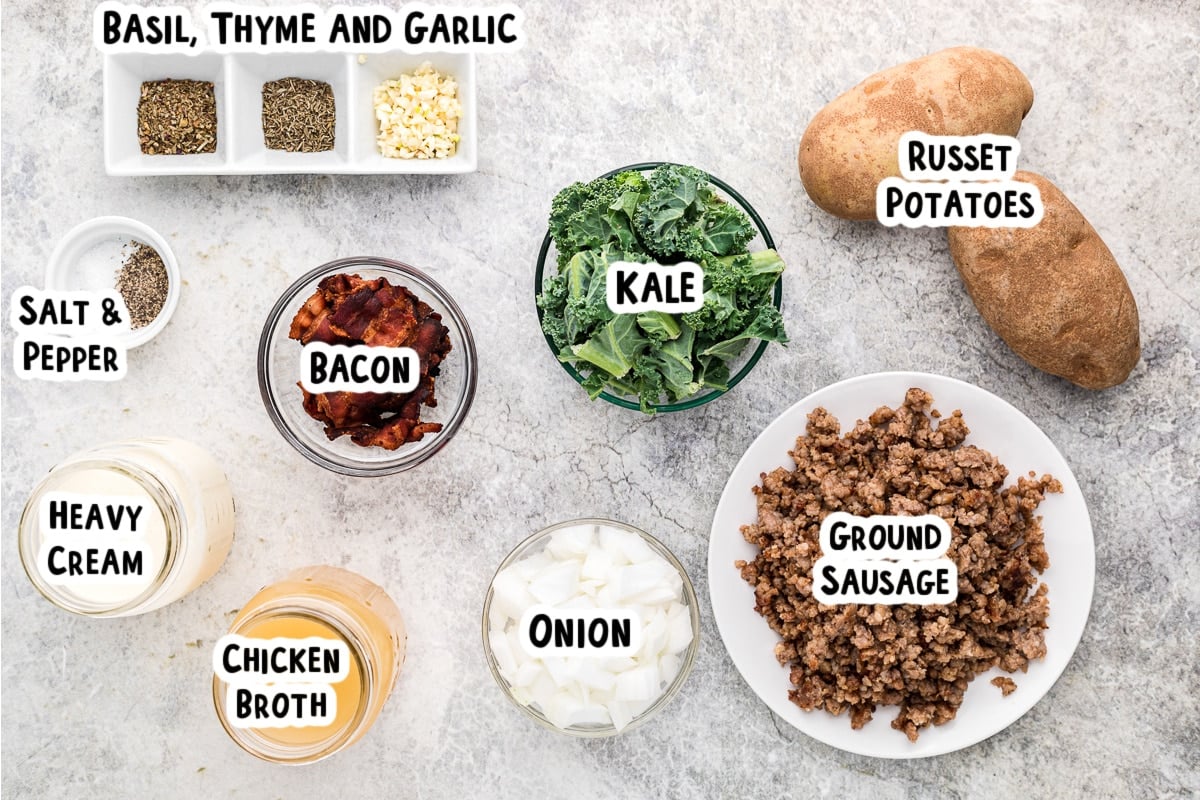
664	213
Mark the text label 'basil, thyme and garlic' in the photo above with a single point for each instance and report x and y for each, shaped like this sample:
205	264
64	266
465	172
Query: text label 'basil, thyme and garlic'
228	27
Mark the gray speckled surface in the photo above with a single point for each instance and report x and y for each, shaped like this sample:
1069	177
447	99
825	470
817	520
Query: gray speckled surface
122	708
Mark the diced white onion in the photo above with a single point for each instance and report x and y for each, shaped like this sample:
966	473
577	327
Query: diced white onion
680	632
592	567
640	683
556	583
569	543
504	655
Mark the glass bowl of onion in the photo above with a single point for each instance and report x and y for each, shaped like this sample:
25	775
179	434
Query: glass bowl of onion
590	627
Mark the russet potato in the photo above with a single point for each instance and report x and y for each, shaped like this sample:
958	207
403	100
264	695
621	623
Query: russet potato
1053	292
850	145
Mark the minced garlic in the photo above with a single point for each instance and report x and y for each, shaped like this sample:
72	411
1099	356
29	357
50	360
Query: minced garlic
418	115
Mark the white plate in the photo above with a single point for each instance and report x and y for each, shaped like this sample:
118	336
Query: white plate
238	79
996	427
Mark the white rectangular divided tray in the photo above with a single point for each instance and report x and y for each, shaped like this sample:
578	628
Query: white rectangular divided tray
238	79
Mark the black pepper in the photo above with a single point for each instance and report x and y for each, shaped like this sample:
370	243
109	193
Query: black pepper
143	283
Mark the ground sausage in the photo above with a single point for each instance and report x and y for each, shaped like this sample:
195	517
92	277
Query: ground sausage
851	658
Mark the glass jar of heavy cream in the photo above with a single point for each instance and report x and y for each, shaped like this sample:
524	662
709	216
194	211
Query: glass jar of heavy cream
308	605
127	527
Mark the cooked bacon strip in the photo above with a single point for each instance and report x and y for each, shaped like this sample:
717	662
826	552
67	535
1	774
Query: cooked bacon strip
311	316
346	309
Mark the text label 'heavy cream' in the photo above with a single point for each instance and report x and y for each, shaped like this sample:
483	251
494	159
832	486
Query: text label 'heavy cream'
358	368
68	336
580	632
633	288
281	682
92	539
890	560
975	189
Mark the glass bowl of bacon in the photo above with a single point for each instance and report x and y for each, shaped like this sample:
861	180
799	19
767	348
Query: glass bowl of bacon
340	307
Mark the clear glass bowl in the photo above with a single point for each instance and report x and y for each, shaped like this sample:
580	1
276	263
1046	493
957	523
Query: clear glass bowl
739	368
279	374
536	543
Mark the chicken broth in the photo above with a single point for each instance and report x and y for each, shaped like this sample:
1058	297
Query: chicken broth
310	705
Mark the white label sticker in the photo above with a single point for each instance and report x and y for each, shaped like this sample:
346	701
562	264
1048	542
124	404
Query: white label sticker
232	27
68	336
93	539
71	559
358	368
285	706
927	582
594	632
1004	204
845	536
887	559
245	660
986	157
633	288
978	190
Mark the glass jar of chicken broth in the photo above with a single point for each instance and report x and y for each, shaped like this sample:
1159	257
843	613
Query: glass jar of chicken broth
307	665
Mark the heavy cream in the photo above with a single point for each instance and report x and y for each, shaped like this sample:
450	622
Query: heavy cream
127	527
103	538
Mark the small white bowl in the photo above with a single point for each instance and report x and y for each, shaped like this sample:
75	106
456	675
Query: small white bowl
88	258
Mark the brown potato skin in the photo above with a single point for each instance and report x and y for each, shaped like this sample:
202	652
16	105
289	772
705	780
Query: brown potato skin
1054	293
850	145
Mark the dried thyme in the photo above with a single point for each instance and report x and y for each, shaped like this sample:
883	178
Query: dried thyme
298	115
143	284
177	117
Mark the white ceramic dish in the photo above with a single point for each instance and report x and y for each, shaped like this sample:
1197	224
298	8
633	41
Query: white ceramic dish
995	426
237	81
88	258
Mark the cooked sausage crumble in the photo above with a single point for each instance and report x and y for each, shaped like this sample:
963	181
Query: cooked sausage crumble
854	657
